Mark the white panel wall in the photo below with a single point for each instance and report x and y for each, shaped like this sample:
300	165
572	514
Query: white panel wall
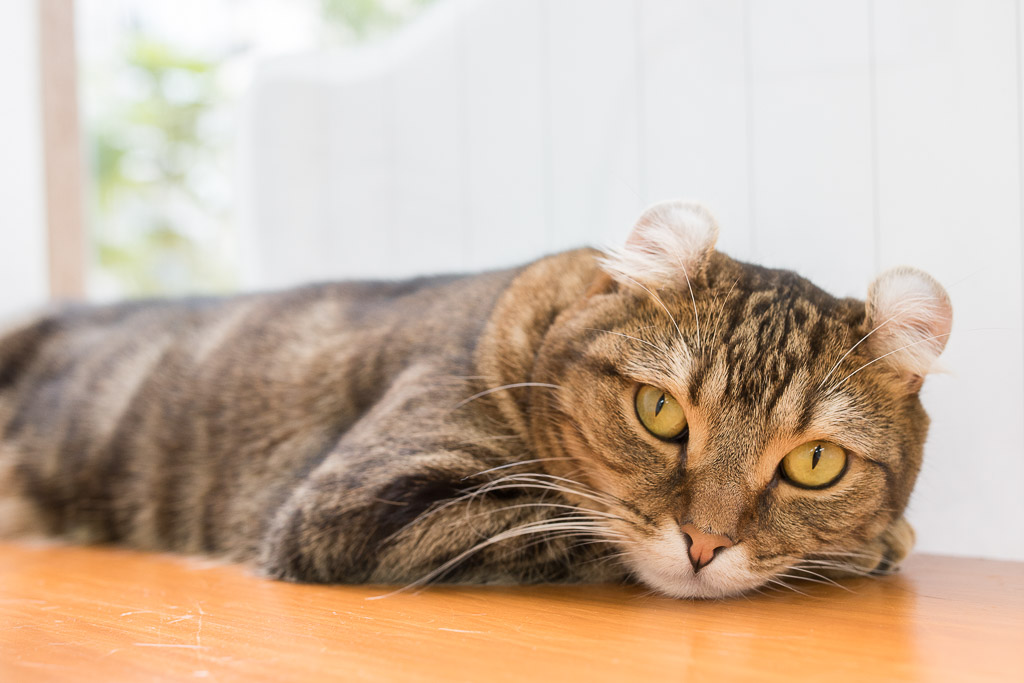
811	140
505	132
694	118
23	267
949	160
592	83
834	138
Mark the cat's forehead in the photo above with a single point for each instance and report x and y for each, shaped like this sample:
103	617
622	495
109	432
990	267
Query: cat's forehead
754	347
755	327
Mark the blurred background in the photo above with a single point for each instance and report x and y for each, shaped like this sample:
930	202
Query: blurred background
162	87
211	146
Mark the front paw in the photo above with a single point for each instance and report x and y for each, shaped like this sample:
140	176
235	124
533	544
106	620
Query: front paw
881	556
892	546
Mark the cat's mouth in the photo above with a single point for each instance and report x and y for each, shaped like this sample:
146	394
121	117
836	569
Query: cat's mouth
661	562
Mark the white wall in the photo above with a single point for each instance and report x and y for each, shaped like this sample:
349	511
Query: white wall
833	138
23	266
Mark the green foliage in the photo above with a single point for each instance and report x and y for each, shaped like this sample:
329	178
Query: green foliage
150	150
161	220
365	18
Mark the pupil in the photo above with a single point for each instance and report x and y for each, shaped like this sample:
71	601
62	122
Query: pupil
661	404
816	457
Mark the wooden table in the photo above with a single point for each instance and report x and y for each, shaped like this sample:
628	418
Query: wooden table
110	615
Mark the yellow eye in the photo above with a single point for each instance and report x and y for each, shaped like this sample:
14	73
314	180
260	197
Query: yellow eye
814	465
660	412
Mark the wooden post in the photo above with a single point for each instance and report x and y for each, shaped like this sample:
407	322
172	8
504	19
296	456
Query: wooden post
62	149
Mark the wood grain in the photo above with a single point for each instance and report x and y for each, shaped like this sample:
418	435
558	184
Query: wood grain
112	615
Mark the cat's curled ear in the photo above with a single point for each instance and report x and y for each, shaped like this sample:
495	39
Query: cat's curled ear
668	248
911	317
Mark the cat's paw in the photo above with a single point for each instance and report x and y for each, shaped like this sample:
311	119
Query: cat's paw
881	556
19	517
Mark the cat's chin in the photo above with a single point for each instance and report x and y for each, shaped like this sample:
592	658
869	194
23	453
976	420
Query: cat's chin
661	563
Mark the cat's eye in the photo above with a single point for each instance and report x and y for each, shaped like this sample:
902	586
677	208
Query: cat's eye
814	465
660	412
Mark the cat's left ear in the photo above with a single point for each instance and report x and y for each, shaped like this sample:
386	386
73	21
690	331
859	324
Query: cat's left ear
668	247
911	317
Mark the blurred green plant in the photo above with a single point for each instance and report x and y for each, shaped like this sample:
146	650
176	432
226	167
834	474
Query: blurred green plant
362	19
155	227
158	136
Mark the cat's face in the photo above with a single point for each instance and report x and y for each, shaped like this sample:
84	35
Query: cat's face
736	421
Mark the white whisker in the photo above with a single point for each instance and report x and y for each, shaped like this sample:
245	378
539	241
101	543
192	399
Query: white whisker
689	286
817	577
628	336
503	388
564	523
520	506
905	346
512	464
783	584
720	317
660	303
880	326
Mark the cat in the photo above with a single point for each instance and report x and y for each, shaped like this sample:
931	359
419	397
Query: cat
659	413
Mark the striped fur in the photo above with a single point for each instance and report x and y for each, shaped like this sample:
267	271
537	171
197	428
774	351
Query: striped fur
474	429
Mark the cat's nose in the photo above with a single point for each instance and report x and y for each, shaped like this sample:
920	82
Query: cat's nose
703	547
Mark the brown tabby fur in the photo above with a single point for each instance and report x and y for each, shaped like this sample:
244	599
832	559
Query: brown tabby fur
345	432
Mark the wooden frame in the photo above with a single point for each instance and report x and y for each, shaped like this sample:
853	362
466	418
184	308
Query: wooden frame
63	164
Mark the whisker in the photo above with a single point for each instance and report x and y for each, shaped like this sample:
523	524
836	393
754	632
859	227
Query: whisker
844	567
572	534
692	298
660	302
536	485
511	464
799	578
520	506
565	523
894	317
843	553
814	577
503	388
608	557
905	346
854	569
536	479
628	336
786	585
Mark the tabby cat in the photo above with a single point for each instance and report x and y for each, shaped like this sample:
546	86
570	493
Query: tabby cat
662	413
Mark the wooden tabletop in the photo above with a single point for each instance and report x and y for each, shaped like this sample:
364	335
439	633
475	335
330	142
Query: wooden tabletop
99	614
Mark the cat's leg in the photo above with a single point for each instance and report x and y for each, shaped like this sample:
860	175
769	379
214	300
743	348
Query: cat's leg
420	489
19	516
881	555
885	553
369	520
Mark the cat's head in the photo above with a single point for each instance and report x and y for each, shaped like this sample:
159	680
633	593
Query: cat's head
737	421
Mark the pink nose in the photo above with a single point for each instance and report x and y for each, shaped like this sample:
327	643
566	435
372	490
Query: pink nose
703	547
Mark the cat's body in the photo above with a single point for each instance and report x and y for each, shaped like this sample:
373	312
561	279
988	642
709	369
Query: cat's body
187	426
355	432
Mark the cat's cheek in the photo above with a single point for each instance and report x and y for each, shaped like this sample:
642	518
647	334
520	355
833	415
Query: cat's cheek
660	561
587	466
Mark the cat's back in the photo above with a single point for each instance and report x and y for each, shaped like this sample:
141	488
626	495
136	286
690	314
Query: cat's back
132	416
72	341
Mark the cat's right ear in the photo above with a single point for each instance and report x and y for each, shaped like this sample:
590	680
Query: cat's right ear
910	316
668	248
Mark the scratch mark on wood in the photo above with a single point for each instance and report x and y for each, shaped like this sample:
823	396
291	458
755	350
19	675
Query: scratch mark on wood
177	645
